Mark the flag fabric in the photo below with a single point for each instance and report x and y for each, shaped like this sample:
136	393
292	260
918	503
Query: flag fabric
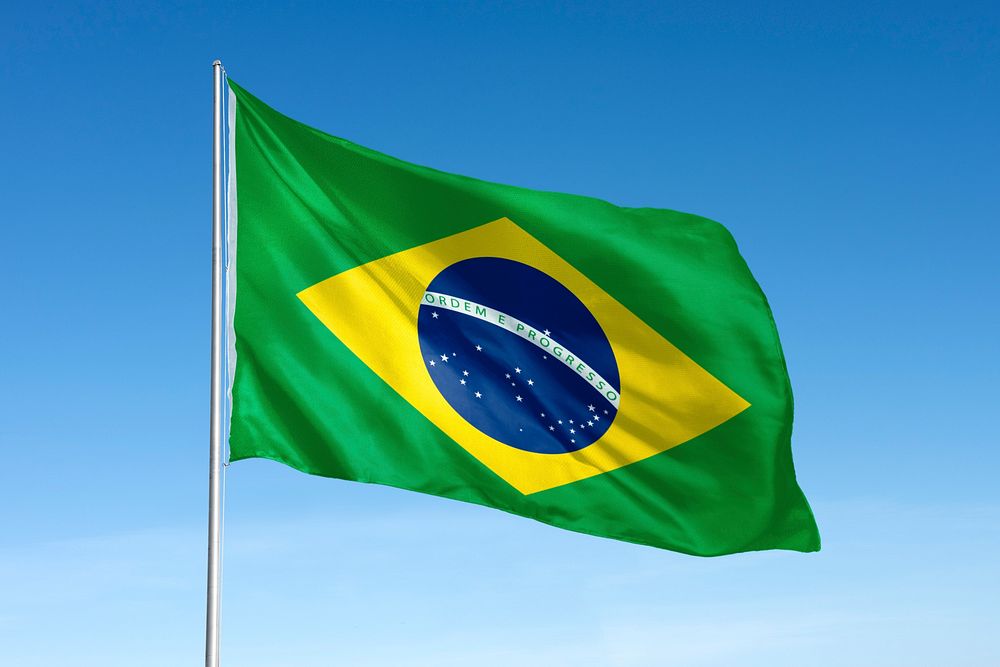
613	371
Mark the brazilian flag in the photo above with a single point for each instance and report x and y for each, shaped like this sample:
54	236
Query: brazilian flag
613	371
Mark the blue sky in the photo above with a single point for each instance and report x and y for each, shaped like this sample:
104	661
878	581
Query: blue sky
850	147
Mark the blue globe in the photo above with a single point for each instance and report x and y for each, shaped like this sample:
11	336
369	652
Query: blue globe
518	385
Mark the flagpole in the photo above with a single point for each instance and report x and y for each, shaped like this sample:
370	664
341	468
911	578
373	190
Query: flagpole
214	591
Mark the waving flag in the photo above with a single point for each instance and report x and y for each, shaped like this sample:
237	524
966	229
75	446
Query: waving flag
607	370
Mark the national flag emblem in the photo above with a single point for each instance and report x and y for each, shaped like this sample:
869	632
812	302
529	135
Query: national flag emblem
519	358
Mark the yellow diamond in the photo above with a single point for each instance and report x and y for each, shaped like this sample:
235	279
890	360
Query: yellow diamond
666	398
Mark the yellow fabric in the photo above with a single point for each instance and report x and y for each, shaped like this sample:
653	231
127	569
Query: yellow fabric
666	398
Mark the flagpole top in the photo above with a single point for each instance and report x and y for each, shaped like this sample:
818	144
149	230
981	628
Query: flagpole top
217	63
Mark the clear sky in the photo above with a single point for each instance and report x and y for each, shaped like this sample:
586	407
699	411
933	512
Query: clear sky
852	149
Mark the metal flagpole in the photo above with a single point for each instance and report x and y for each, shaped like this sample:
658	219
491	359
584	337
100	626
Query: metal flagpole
214	592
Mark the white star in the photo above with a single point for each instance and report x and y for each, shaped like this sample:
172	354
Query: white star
605	412
520	429
552	428
597	418
462	381
560	421
444	357
546	332
434	315
590	423
570	421
479	348
432	363
507	375
544	357
512	384
454	354
590	407
573	441
543	415
517	370
478	395
519	399
531	383
466	373
572	430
